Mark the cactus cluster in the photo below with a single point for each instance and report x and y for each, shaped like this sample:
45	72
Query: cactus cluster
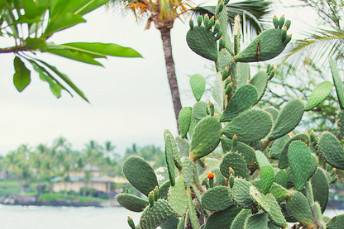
239	164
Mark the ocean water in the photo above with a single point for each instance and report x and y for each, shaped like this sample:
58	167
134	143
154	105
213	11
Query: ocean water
18	217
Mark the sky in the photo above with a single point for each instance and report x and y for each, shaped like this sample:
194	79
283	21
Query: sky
130	98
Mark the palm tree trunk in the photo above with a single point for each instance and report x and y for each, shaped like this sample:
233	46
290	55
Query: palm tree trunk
171	70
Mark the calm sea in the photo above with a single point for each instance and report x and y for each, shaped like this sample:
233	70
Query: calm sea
17	217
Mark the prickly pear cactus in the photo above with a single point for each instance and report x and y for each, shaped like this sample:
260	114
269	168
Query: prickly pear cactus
236	163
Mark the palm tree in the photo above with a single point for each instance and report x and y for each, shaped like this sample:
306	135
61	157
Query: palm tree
163	14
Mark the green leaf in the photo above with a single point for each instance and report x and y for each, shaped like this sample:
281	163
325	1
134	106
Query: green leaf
301	163
197	83
250	126
22	75
289	117
318	95
338	83
103	49
245	97
205	138
62	22
140	174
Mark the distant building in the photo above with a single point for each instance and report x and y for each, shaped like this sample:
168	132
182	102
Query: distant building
91	178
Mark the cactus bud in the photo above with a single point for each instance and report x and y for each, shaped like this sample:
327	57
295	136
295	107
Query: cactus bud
199	20
284	35
211	176
206	21
288	38
212	21
222	44
131	223
217	27
275	22
287	24
191	24
156	193
281	22
151	198
234	142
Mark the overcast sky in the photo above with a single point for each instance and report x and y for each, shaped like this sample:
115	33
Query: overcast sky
130	98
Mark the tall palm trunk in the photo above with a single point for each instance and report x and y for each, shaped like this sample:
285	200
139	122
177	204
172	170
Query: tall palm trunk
171	70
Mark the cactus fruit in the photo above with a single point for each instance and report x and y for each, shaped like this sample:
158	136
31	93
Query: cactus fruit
298	207
332	150
338	83
319	94
244	98
217	199
269	204
320	187
260	82
197	83
184	121
237	184
269	44
288	118
132	202
140	174
250	126
234	163
205	138
301	163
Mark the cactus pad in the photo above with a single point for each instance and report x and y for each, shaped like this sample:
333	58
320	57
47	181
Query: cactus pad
260	82
249	126
259	220
320	187
170	150
269	204
241	193
289	117
188	171
336	222
217	199
273	112
140	174
177	197
205	138
318	95
298	207
222	219
240	219
184	120
338	83
279	192
132	202
197	83
266	173
301	163
245	97
236	162
154	216
199	110
332	150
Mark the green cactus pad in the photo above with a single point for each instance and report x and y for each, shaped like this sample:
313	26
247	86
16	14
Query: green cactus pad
188	170
298	207
266	173
279	192
301	163
183	146
170	148
240	219
242	74
338	83
273	112
283	159
237	163
199	111
289	117
224	60
241	193
177	197
197	83
318	95
192	213
259	220
184	121
269	204
278	146
249	126
244	98
222	219
332	150
320	187
260	82
203	42
154	216
205	138
140	174
241	148
281	178
336	222
171	223
163	189
340	123
217	199
132	202
267	45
